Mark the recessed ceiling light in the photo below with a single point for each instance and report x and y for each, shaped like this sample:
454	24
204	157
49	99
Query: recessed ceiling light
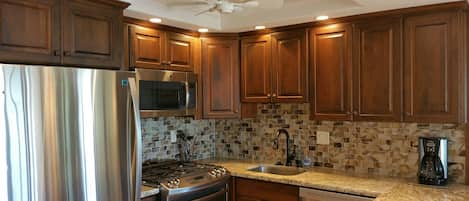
203	30
259	27
322	17
155	20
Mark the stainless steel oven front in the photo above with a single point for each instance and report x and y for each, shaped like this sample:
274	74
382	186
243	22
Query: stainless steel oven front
167	93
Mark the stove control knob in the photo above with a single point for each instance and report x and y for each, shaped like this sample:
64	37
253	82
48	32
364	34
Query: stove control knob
223	171
213	173
174	183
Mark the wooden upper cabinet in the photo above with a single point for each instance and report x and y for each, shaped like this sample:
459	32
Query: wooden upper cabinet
256	69
220	73
179	51
289	72
146	47
331	83
92	34
377	71
433	66
30	31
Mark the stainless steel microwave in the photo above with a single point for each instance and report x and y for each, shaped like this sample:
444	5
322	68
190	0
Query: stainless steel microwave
167	93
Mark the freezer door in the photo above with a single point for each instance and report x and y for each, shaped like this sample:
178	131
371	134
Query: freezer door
67	134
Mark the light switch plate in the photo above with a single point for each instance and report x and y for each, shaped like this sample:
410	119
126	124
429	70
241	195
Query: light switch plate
322	137
174	137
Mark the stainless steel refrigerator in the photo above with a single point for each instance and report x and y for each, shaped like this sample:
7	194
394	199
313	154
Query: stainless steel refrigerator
68	134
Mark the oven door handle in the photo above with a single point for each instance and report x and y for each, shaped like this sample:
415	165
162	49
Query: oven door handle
212	196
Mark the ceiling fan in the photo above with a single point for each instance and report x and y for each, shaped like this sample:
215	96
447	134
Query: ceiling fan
227	6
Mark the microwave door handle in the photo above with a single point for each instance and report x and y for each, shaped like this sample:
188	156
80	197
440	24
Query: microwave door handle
136	162
187	97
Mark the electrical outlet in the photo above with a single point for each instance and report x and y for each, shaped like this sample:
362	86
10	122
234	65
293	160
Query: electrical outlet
322	137
174	137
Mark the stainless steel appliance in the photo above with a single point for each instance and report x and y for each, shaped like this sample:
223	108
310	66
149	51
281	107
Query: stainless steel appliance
186	181
433	163
167	93
68	134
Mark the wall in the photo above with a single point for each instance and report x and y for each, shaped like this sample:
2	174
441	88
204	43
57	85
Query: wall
388	149
157	139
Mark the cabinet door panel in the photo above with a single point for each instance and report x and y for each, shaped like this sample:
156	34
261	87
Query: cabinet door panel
30	31
251	190
255	69
289	66
432	67
377	71
147	47
92	35
179	51
331	73
220	72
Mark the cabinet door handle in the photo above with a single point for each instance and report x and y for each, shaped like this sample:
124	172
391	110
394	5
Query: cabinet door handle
56	52
67	53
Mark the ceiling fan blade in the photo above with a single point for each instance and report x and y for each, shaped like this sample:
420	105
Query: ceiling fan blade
206	11
253	3
187	3
200	13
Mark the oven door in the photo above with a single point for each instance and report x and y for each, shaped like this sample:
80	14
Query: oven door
220	195
163	93
211	191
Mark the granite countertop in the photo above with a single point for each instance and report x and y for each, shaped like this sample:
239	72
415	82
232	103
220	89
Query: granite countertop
148	191
384	189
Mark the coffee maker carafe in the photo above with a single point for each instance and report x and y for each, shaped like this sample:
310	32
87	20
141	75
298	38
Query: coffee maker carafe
433	163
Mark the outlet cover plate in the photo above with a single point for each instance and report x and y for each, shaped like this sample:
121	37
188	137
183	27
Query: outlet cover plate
322	137
174	137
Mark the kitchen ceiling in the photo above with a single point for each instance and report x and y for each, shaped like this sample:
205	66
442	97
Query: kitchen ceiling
175	13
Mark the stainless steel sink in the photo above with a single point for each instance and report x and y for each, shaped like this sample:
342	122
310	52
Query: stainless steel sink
278	170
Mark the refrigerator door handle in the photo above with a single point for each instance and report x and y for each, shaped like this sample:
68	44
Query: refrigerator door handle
137	152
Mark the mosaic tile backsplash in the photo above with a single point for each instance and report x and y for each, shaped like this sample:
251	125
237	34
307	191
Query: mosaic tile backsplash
379	148
157	138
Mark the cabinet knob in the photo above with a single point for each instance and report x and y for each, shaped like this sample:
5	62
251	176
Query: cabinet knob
56	52
268	95
348	113
67	53
355	113
407	114
274	95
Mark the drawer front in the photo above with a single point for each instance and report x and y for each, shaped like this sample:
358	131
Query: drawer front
254	190
318	195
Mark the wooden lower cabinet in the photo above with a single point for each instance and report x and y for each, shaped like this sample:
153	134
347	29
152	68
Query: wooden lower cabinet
307	194
254	190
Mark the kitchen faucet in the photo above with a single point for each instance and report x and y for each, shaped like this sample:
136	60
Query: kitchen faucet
289	157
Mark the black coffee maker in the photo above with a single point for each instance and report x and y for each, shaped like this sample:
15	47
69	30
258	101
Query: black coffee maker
433	163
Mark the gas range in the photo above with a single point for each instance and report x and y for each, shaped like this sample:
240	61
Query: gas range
177	180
